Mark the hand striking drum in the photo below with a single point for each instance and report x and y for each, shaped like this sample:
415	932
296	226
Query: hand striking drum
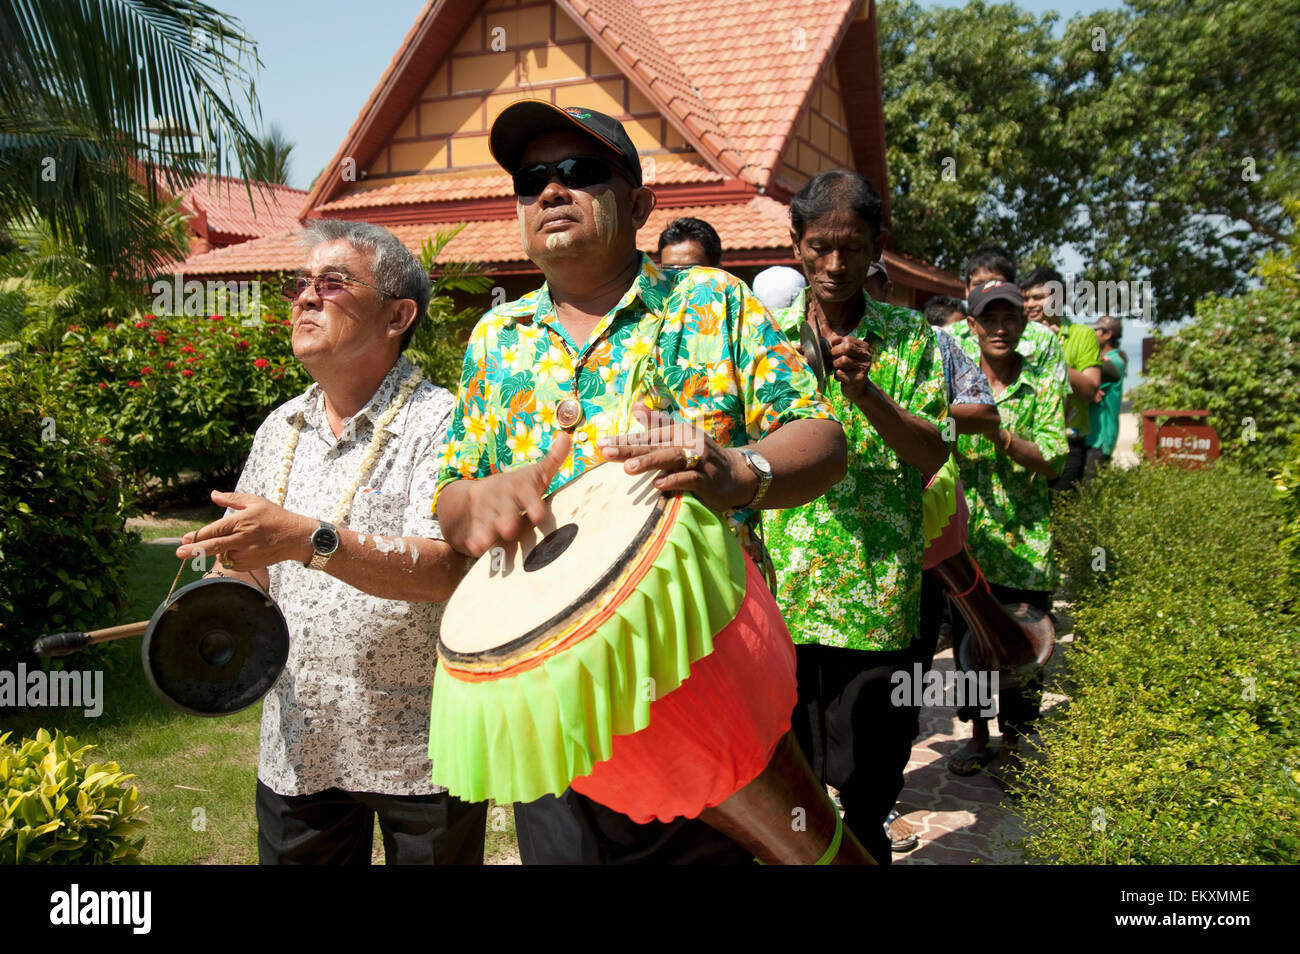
629	648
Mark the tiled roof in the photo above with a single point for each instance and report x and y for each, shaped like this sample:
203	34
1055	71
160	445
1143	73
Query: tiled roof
450	187
733	77
225	202
758	224
735	74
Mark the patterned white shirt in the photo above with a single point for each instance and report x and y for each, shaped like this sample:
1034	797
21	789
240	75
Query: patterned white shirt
351	709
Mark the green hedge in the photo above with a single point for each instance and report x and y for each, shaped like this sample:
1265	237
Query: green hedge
64	550
1178	744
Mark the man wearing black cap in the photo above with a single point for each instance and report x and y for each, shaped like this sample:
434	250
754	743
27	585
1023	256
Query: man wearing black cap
1006	477
568	350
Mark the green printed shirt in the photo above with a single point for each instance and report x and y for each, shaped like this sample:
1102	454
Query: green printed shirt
1010	529
848	564
694	343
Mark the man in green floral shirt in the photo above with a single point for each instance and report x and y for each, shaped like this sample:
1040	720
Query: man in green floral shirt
551	380
849	563
1006	480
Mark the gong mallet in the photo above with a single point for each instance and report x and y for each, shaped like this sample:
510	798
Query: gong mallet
65	644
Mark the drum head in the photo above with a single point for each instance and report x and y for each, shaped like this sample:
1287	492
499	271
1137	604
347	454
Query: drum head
215	647
515	596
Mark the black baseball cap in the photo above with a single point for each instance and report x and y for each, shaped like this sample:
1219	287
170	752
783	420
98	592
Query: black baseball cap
989	292
522	122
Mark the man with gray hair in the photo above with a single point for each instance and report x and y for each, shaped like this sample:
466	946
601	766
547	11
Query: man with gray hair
331	515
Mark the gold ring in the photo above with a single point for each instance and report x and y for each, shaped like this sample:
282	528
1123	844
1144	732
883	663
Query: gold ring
691	461
227	561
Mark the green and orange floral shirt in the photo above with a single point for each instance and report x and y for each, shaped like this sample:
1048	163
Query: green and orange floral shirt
848	564
1010	510
694	343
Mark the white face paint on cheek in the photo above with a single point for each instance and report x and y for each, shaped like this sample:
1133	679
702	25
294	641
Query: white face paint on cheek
604	211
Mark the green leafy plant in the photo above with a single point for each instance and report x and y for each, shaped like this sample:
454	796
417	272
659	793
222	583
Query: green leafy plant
1287	482
64	551
1179	740
438	347
60	809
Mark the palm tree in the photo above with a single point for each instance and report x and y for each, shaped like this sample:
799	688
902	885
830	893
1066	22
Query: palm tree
92	92
272	161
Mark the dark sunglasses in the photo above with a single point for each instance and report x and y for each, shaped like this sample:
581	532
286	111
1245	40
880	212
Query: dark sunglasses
578	172
327	286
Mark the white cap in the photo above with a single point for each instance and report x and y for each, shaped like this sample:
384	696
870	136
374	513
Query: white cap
778	286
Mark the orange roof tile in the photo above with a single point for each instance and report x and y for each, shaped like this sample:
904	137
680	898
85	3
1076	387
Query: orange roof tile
229	211
759	224
755	64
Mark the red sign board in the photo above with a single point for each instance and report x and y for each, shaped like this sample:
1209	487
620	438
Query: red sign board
1179	438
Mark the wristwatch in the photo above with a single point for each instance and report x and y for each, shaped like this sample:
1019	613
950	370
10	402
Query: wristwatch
762	470
324	541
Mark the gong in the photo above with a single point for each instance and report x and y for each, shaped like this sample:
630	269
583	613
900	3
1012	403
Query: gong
817	352
215	647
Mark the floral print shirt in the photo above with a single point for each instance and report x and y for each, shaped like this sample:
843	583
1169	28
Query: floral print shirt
848	564
1010	529
694	343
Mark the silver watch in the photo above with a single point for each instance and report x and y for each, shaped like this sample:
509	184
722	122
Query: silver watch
324	541
762	470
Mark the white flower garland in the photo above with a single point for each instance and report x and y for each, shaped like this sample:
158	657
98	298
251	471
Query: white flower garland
368	462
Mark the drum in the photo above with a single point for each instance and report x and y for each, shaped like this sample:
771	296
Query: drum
630	650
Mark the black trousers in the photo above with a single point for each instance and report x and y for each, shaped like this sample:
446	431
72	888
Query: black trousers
335	827
1072	469
854	736
1017	705
1093	461
574	830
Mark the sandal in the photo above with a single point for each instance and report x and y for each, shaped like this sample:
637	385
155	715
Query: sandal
903	842
970	762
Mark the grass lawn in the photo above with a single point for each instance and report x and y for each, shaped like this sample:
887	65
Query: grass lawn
198	776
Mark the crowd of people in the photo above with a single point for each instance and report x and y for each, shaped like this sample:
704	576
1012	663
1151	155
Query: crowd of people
365	499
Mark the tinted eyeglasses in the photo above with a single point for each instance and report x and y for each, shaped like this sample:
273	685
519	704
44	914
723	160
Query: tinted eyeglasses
577	172
327	286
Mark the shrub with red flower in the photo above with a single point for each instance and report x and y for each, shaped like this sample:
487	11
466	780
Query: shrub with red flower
167	424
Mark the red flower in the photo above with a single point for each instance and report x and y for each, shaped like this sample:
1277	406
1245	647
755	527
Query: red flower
190	360
103	384
145	370
110	326
103	440
142	324
170	365
242	344
186	372
133	384
261	363
150	317
215	317
187	349
74	327
160	338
